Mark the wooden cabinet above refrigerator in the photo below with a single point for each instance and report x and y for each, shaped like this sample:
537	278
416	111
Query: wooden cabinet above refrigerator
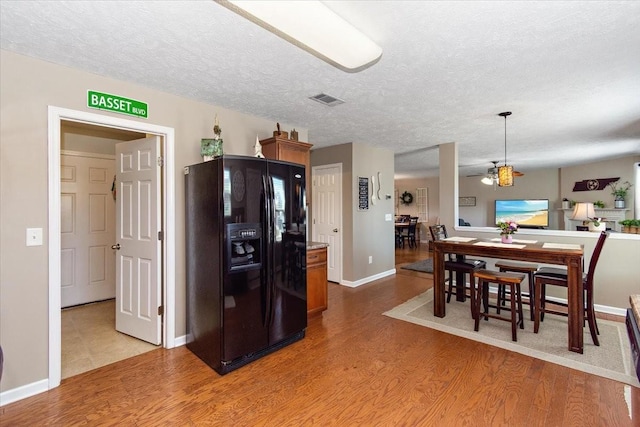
279	148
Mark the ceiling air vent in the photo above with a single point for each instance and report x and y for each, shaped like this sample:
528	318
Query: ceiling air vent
325	99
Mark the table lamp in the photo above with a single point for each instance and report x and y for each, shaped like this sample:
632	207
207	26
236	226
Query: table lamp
583	212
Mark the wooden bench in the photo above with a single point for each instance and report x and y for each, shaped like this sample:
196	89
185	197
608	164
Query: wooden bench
633	320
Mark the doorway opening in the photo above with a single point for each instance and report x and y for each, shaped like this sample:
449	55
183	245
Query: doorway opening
56	117
90	338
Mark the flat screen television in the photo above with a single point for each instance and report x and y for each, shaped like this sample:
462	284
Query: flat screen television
527	213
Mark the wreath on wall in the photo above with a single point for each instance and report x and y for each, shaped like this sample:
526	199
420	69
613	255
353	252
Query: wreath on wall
406	198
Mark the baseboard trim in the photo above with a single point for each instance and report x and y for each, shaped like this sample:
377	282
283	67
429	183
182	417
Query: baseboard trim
368	279
22	392
181	340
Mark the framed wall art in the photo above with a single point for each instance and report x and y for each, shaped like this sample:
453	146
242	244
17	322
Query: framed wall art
363	193
467	201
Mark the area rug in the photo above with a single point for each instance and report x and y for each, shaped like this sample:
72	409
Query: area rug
425	266
610	360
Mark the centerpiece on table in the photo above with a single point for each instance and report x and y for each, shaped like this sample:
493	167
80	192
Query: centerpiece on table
507	229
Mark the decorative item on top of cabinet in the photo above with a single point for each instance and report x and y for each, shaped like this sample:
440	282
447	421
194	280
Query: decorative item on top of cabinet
317	291
210	148
280	133
281	148
257	149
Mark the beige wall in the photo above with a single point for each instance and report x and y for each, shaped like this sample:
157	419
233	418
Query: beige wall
28	87
359	242
372	234
552	184
539	184
622	167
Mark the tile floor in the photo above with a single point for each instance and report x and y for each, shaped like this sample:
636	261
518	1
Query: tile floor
90	339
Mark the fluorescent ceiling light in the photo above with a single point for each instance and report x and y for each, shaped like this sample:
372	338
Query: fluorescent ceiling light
313	27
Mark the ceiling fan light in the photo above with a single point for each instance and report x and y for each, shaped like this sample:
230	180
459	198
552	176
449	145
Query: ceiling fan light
314	27
487	180
505	176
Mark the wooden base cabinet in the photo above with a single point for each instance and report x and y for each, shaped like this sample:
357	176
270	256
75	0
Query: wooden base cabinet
317	291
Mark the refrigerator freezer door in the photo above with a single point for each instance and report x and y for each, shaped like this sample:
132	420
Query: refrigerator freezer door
245	289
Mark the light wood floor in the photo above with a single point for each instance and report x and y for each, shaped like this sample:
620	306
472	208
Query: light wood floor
90	339
355	367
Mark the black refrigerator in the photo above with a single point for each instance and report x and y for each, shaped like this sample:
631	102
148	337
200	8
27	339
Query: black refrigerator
245	258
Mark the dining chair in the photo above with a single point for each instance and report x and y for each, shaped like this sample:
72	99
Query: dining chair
558	277
457	264
410	235
398	237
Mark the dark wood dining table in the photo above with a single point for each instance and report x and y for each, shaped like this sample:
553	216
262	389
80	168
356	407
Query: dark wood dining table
548	253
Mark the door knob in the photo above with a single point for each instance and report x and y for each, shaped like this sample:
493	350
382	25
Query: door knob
335	230
116	246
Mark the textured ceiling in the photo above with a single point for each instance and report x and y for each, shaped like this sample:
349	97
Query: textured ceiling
569	72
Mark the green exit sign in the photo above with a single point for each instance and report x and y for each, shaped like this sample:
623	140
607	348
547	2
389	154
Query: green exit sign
117	104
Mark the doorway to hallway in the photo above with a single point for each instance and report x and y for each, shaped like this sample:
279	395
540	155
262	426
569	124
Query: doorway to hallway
56	117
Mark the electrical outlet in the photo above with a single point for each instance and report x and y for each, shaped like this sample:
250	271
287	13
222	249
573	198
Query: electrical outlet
370	259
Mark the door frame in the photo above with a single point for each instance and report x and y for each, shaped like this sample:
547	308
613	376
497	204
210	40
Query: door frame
55	116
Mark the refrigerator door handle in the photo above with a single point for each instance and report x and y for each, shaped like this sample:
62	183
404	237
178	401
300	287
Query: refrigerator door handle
271	252
266	282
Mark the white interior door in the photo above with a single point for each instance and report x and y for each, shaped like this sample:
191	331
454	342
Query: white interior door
327	215
138	222
87	221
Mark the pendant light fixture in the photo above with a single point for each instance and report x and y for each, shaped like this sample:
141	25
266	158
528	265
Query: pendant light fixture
505	173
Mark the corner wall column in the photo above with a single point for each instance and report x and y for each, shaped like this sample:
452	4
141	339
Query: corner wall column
448	157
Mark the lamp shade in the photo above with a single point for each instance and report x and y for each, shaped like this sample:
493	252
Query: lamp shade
505	176
583	211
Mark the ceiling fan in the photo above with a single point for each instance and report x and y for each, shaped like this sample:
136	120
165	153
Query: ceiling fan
491	177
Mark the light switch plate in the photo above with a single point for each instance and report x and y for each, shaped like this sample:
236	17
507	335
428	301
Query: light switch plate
34	236
387	217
